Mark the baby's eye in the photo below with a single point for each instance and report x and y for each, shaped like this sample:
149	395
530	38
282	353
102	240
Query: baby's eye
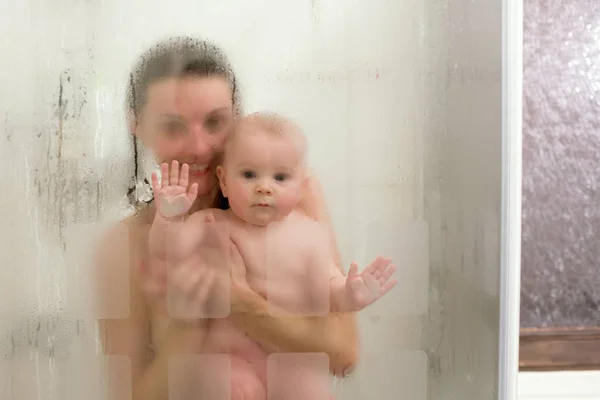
280	177
248	174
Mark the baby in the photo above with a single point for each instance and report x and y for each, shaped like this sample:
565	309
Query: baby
286	254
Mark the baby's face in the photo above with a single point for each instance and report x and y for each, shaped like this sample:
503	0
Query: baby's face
262	177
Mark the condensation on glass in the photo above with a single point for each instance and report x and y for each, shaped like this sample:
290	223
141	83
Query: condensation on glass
401	102
561	165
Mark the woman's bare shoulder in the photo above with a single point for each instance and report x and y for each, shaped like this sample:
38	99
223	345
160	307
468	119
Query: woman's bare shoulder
217	213
125	234
117	254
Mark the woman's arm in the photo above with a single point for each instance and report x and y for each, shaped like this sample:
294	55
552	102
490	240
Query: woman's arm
335	335
125	325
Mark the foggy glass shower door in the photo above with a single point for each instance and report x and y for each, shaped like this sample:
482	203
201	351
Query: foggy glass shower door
402	106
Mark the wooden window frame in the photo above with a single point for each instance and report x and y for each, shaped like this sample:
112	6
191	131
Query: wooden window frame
559	349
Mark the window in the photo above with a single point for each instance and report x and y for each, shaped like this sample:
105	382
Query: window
560	291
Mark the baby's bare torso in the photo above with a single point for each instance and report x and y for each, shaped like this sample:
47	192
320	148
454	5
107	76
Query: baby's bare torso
278	265
277	260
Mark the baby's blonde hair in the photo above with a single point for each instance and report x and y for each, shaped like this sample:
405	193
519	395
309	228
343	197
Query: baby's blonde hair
271	124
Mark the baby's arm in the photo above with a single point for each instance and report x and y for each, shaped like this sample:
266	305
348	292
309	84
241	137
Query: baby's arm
357	291
337	293
346	294
172	231
172	239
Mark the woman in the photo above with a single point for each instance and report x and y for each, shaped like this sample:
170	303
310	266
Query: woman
183	100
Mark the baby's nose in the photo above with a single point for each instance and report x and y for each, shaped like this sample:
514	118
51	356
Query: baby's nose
264	188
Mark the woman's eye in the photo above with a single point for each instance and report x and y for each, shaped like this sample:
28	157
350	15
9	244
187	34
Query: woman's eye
174	128
213	124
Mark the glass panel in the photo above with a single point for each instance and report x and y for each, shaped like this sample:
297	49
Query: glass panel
462	188
401	104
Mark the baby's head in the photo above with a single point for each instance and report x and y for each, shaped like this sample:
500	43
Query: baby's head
263	168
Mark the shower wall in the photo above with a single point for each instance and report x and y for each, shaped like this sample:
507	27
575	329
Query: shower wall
401	105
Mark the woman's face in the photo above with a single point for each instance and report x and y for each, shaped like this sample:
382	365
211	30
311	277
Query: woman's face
187	119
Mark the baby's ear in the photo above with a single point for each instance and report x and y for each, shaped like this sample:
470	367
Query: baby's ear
221	177
305	182
304	189
307	178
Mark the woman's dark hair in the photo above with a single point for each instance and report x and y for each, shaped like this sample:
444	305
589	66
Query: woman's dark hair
173	57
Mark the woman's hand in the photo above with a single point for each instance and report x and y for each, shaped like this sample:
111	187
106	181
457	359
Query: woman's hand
184	292
201	286
188	291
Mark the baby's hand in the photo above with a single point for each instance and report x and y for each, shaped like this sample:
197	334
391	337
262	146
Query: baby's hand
365	288
172	196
